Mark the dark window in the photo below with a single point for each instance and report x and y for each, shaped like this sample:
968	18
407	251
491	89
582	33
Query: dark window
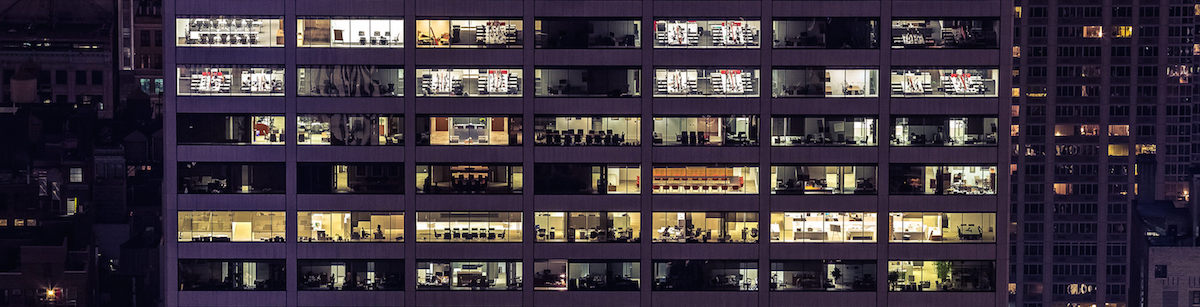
351	275
571	275
231	275
354	178
823	275
1160	271
705	275
827	33
223	178
561	178
573	33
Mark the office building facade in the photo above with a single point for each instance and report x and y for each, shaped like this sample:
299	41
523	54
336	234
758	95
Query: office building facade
1102	112
586	153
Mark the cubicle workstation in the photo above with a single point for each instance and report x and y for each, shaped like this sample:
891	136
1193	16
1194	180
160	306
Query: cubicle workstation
728	131
915	179
584	179
829	130
945	131
589	81
837	227
587	131
959	33
474	33
943	227
690	33
587	33
232	226
350	129
469	82
588	227
350	274
230	129
491	178
335	32
587	275
229	31
230	80
816	82
941	276
824	179
826	33
470	130
705	227
705	179
349	178
485	227
231	177
232	275
349	226
349	81
467	275
944	82
823	275
706	82
705	275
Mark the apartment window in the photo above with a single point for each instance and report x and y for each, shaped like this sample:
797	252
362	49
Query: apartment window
1093	31
705	275
706	131
943	227
575	33
1160	271
350	275
346	226
819	179
600	131
943	180
945	33
705	179
825	82
944	131
230	129
231	177
823	275
229	31
468	226
1122	31
469	275
705	227
75	175
941	276
350	81
739	33
469	82
588	82
823	131
562	178
232	226
230	80
590	227
584	275
349	33
793	227
706	82
349	178
457	33
470	130
469	179
232	275
827	33
944	82
350	129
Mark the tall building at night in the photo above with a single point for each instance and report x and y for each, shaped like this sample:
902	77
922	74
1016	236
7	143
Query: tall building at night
1102	113
586	153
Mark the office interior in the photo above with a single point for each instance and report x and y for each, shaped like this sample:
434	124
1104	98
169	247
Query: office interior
349	81
571	33
705	275
824	131
705	179
469	82
350	275
946	276
232	275
229	129
705	227
578	179
232	226
975	33
824	179
468	226
469	179
945	131
470	130
706	82
349	226
577	275
943	227
706	33
823	275
827	33
469	275
706	131
609	82
459	33
944	82
824	82
229	31
231	177
943	180
581	227
823	226
349	33
207	80
350	129
349	178
587	131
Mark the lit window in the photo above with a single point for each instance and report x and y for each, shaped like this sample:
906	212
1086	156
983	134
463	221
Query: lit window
444	33
231	226
1016	51
18	222
1118	130
1118	150
72	205
1016	92
3	222
823	226
348	33
229	31
1123	32
76	175
942	227
706	227
1146	149
1093	31
1017	12
1016	111
1015	130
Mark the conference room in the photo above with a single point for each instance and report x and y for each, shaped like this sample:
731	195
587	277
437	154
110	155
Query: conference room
706	131
705	179
588	227
469	179
470	130
587	131
489	227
